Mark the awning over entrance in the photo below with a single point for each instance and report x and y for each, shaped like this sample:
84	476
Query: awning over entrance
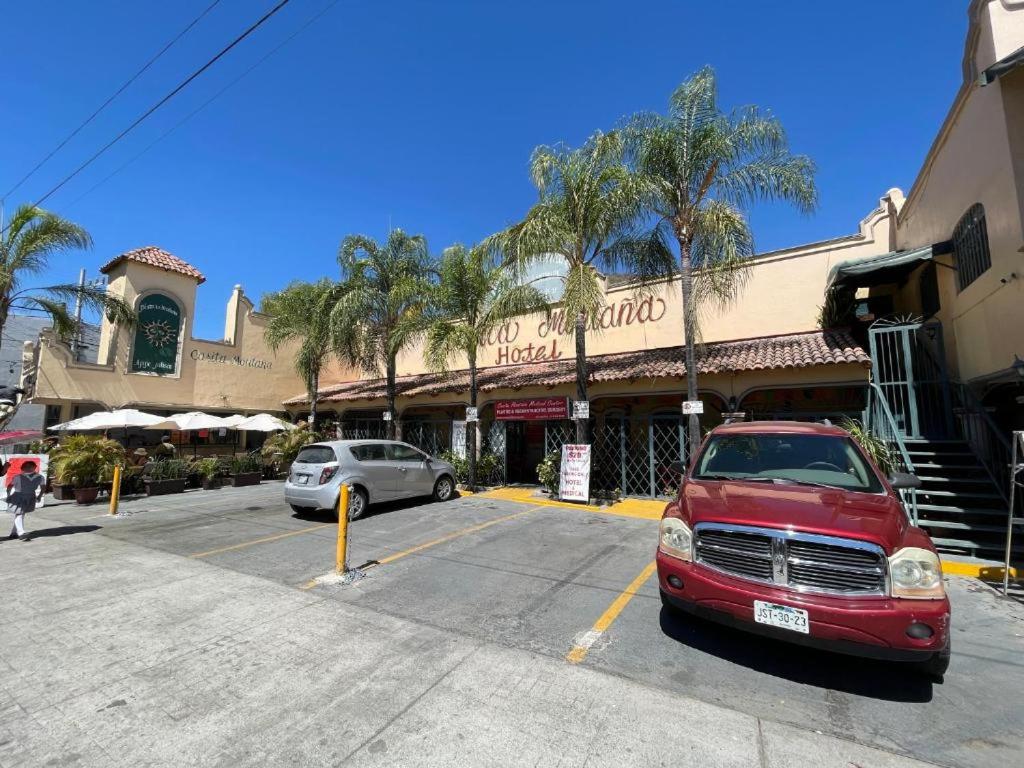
795	350
878	270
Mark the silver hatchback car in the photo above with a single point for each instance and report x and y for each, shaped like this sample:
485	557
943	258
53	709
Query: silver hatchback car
375	470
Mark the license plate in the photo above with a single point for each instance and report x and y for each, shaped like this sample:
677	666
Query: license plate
783	616
303	479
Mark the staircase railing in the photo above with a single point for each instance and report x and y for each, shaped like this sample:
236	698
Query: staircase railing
991	445
879	420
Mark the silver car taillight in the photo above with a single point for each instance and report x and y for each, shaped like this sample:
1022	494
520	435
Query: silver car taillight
327	474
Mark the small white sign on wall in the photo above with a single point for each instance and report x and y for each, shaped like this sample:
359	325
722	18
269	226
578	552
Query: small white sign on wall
386	415
581	409
471	414
693	406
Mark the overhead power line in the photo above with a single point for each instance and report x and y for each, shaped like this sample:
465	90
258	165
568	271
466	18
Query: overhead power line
106	103
180	87
312	20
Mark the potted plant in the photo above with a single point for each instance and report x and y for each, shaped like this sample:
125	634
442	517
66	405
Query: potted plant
167	476
82	463
246	470
209	470
281	448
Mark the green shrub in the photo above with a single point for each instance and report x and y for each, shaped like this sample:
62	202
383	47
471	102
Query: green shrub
282	447
208	468
251	462
875	447
84	461
548	471
169	469
488	467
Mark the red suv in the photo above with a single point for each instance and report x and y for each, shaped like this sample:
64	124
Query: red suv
789	529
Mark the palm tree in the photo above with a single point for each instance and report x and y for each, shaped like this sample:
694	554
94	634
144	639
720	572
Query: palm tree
382	302
703	168
589	212
301	313
32	237
474	296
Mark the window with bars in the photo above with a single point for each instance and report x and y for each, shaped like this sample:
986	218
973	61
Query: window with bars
970	244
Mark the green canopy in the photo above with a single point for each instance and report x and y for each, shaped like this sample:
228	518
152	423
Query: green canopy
877	270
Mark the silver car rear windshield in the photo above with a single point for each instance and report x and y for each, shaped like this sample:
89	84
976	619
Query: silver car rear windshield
315	454
829	460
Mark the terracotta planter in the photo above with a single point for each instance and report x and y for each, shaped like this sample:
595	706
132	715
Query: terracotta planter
163	487
63	492
212	483
245	478
85	495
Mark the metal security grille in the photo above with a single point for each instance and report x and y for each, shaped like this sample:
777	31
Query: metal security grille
494	441
433	437
557	434
634	455
970	244
362	428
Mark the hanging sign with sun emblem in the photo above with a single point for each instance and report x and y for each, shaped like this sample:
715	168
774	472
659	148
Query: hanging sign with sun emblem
156	336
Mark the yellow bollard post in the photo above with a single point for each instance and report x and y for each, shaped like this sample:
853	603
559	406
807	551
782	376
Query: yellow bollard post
115	489
341	564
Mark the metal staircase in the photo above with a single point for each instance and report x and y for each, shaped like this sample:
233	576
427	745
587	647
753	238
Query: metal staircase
958	504
937	429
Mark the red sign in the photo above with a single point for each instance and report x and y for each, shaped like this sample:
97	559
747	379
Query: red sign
542	409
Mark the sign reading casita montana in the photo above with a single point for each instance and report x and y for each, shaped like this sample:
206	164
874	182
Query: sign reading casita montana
243	362
155	349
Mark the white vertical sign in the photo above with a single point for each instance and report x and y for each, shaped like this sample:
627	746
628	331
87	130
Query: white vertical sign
574	477
459	438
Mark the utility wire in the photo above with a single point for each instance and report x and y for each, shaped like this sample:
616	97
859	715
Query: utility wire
106	103
204	105
180	87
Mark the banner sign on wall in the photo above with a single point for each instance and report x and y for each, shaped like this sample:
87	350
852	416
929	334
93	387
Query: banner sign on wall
574	477
16	460
541	409
156	336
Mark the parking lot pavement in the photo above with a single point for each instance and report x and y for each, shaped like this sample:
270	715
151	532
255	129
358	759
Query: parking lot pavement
514	588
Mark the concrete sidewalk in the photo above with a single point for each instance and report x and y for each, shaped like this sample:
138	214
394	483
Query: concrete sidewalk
114	654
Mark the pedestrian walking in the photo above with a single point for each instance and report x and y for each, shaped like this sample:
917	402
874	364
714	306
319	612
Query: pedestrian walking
22	494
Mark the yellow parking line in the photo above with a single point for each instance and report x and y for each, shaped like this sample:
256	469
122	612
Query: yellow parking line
579	651
450	536
434	542
275	537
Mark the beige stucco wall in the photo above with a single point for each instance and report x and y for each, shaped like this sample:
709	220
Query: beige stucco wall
977	158
783	292
209	376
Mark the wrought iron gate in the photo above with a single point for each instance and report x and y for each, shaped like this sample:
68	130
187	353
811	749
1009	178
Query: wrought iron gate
908	365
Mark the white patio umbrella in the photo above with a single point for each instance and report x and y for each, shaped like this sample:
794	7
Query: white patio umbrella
189	421
232	421
264	422
119	419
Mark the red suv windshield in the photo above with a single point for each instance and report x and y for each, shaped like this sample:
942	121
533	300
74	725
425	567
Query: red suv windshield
828	460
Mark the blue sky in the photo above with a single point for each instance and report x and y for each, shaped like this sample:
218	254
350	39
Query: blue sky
422	115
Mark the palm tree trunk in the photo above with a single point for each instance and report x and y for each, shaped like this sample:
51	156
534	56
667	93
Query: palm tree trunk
471	425
689	331
314	397
582	425
390	426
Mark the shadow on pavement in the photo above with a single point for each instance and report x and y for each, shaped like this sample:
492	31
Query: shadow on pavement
328	516
64	530
890	681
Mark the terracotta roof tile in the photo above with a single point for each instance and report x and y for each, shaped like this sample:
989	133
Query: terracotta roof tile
797	350
156	257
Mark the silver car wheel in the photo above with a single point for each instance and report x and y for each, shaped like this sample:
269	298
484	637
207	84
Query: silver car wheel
444	488
356	504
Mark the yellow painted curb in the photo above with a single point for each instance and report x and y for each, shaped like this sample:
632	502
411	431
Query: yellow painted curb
643	509
977	570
